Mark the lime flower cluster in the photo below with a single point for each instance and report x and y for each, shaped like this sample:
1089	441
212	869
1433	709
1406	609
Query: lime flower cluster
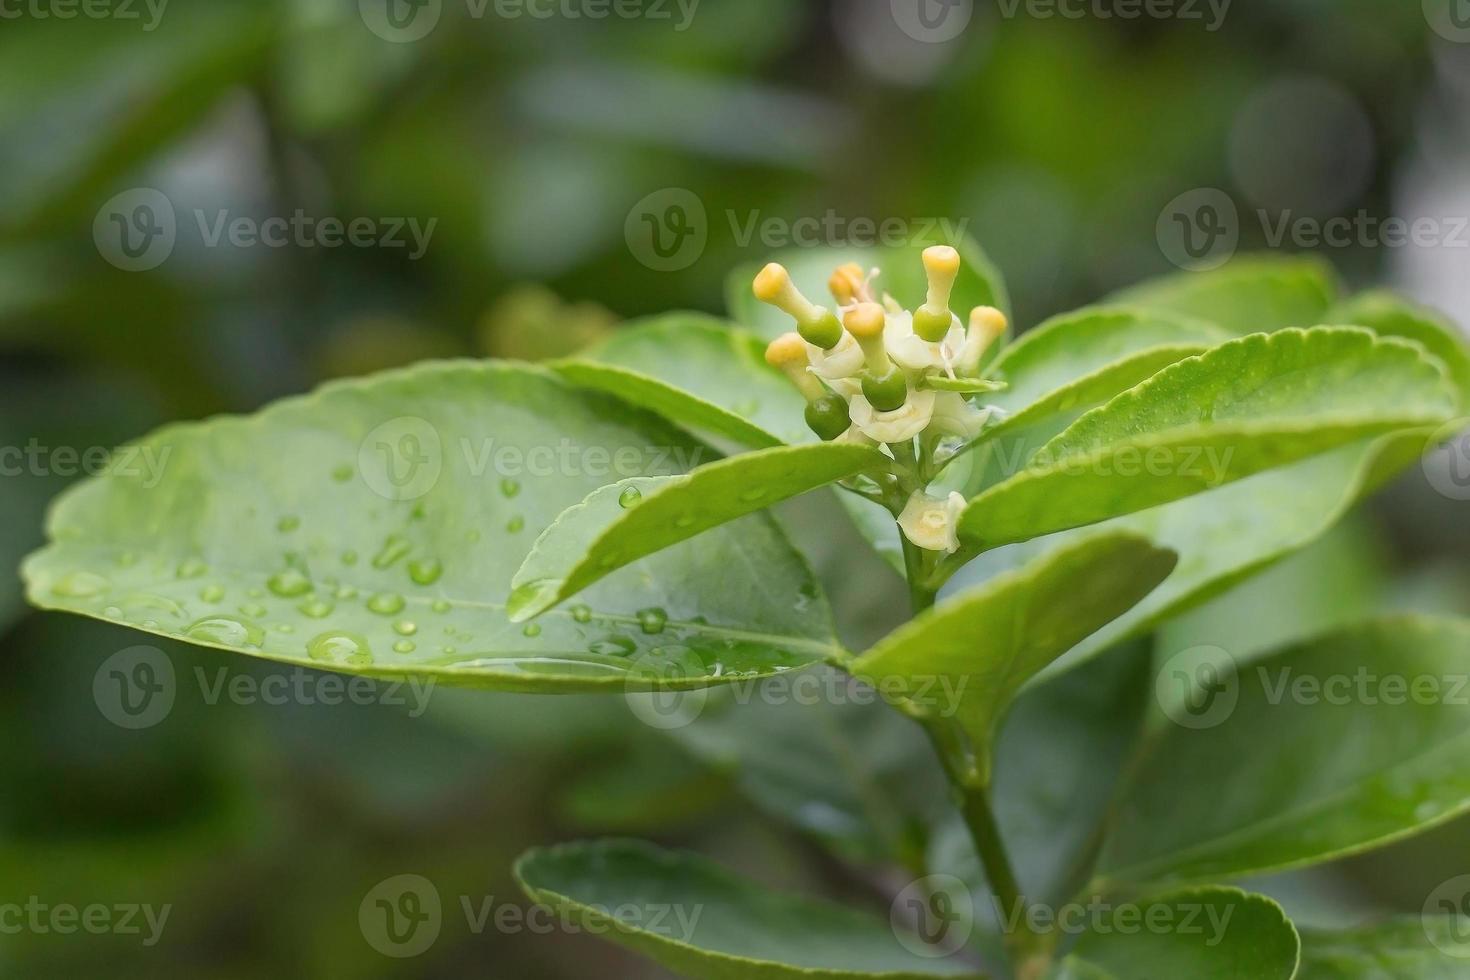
877	374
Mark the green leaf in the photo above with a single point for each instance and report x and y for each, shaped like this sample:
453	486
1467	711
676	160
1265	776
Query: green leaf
1246	406
374	526
1392	316
1394	949
1226	535
697	372
628	520
902	275
1203	934
821	751
1089	355
966	658
702	922
1372	758
1060	753
1249	295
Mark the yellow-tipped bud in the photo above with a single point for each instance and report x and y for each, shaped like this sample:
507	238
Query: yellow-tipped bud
848	284
866	322
818	326
989	322
942	264
933	320
987	325
788	354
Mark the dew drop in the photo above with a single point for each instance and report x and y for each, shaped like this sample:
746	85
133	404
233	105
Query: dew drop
342	473
581	613
212	593
113	612
614	645
289	583
127	559
316	608
652	621
395	547
629	497
516	524
288	524
80	585
349	557
404	646
405	628
425	571
441	606
386	603
190	568
509	488
345	592
338	647
253	609
448	651
226	631
752	494
684	520
532	629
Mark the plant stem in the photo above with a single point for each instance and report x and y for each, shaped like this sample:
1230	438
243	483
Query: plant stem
1027	950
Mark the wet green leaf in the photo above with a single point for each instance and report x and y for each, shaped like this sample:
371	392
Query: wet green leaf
703	922
1394	949
1249	295
628	520
374	527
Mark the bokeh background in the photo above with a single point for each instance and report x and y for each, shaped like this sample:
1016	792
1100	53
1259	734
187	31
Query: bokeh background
531	151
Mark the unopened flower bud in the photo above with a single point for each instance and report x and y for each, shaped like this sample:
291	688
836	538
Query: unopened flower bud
987	325
886	392
817	325
827	417
788	354
848	284
866	323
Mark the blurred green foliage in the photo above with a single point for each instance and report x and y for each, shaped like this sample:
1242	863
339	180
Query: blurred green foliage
527	142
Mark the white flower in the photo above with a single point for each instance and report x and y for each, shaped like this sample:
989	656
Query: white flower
914	353
842	361
929	522
955	416
899	425
854	437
